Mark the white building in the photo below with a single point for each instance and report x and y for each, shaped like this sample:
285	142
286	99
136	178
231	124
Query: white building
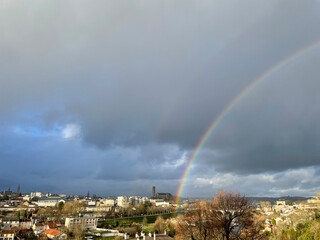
26	198
106	202
50	201
159	202
26	223
36	194
84	222
10	223
7	235
123	201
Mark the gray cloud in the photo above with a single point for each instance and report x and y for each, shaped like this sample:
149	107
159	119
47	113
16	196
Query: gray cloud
143	81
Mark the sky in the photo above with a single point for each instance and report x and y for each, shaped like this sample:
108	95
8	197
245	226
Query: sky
112	97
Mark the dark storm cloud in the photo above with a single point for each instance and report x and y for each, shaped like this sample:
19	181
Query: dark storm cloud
130	88
275	127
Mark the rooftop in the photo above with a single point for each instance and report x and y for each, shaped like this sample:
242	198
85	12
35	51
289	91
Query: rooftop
52	232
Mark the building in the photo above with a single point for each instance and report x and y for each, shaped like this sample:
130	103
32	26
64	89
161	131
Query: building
281	203
165	196
159	203
98	209
26	198
55	234
84	222
123	201
50	201
39	227
26	223
10	223
135	200
7	235
107	202
35	194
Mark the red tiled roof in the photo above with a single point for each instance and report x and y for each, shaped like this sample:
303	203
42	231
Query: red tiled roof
50	224
7	231
26	220
52	232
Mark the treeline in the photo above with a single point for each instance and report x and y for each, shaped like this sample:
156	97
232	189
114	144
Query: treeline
68	209
138	210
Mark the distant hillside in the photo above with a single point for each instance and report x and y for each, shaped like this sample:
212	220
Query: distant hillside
273	200
257	200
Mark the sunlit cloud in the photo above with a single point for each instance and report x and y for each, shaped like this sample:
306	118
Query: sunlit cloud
71	131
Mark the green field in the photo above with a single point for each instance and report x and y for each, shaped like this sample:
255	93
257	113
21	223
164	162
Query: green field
130	220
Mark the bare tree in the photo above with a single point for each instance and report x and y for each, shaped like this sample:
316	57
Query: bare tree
159	225
78	232
232	214
197	223
228	216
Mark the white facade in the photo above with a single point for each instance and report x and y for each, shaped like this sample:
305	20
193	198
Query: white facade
84	222
7	235
26	198
49	201
27	223
123	201
106	202
36	194
91	203
159	202
162	204
10	223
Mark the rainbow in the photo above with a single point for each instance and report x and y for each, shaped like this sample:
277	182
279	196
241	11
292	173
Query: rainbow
234	101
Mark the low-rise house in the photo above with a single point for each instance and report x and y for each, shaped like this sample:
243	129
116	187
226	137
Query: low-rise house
84	222
10	223
53	225
7	234
25	234
39	227
55	234
26	223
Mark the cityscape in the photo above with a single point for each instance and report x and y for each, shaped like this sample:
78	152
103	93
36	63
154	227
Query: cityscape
60	216
159	120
